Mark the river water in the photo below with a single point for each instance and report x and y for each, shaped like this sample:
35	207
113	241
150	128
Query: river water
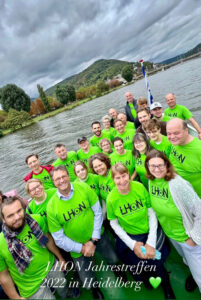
183	79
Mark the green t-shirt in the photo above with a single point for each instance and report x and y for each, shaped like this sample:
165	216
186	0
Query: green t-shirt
75	215
35	208
186	160
112	131
84	157
179	111
68	163
167	213
130	125
126	159
45	177
164	146
140	169
127	137
106	185
42	260
94	140
133	111
131	210
92	181
165	118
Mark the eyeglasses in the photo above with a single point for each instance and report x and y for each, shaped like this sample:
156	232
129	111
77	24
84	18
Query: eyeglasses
59	178
160	166
33	190
139	143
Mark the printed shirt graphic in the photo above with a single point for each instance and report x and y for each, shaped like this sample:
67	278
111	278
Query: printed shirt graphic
131	210
140	169
106	185
179	111
164	146
126	159
41	263
75	215
127	137
41	209
186	160
68	163
45	177
94	140
167	213
84	157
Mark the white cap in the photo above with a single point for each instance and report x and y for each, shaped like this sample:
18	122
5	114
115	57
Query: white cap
155	105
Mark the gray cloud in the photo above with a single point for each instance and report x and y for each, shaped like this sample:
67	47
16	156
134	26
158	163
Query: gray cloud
47	41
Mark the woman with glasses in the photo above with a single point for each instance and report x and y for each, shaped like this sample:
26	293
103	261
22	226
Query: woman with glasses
40	197
135	223
105	146
107	127
140	149
178	209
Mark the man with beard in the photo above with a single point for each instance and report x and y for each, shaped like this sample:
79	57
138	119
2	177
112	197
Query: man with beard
98	134
26	254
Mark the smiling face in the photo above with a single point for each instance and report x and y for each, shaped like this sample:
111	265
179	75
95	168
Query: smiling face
61	152
176	133
119	147
170	100
14	215
157	167
36	190
119	126
122	117
129	97
106	147
61	181
157	112
154	134
84	146
99	167
140	145
81	172
96	128
143	117
34	163
113	113
122	182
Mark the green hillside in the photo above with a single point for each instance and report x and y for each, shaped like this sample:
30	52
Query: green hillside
100	70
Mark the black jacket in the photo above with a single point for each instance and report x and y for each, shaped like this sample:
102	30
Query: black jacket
129	114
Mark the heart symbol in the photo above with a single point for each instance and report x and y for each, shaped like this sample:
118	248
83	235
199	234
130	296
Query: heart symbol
155	281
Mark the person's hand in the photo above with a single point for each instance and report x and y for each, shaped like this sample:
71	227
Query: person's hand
137	250
150	252
62	263
89	249
190	242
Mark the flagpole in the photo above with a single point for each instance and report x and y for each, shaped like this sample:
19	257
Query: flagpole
150	97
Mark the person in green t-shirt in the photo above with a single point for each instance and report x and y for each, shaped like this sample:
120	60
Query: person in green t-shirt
179	111
123	156
86	150
135	223
178	209
156	110
157	140
141	147
98	134
38	171
106	146
40	197
128	124
185	153
66	159
107	127
26	254
74	219
125	134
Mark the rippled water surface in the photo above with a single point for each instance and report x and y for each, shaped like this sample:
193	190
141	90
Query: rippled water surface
184	80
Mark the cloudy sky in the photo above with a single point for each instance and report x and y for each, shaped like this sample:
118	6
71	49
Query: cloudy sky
45	41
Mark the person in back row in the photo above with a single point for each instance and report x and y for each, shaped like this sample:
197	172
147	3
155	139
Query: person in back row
142	103
86	150
144	116
123	118
106	146
26	255
186	153
131	109
98	134
113	114
107	127
65	159
125	134
38	171
180	111
156	111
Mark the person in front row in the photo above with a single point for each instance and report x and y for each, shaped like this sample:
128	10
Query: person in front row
135	223
26	254
178	209
74	219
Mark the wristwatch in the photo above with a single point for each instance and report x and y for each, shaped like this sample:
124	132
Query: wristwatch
94	242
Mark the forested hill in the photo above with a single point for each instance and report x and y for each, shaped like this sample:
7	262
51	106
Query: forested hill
100	70
183	55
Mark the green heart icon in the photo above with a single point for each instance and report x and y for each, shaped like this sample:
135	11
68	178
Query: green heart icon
155	281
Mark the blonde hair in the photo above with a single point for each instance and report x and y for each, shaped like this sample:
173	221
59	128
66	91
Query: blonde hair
30	181
119	168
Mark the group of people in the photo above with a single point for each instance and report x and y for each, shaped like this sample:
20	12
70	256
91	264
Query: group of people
138	180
